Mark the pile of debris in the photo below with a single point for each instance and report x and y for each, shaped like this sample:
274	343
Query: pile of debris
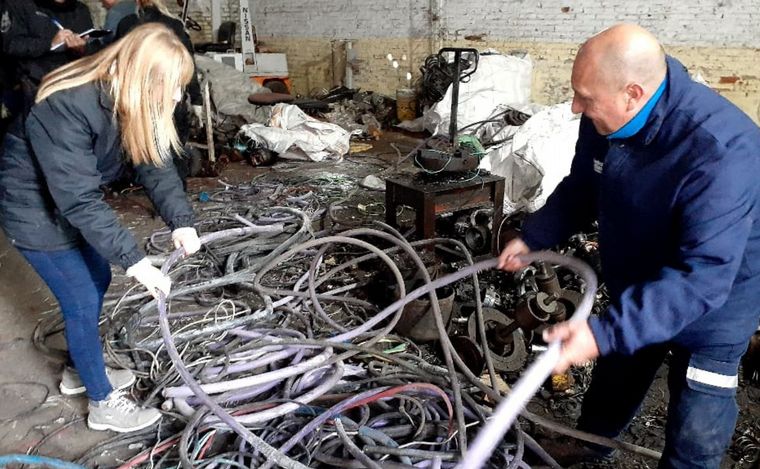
363	113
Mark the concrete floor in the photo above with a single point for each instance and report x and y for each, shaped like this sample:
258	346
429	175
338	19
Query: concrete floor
30	404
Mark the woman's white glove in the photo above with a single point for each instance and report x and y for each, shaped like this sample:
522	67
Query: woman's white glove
187	238
150	277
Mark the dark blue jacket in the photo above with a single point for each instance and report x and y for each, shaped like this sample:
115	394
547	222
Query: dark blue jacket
30	29
50	197
679	221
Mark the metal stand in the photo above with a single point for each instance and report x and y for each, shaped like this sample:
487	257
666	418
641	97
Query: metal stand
431	198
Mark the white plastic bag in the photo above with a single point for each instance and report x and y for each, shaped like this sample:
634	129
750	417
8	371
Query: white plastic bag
499	79
537	158
294	135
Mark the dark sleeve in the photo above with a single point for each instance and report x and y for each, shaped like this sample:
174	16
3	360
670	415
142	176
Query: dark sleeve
126	25
20	40
573	204
62	143
715	210
84	17
114	16
194	87
164	188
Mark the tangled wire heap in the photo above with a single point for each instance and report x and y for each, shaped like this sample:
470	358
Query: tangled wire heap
269	352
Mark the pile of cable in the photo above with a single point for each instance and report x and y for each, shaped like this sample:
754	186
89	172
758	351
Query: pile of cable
280	359
276	347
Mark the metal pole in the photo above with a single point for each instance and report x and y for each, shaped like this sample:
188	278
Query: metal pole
209	123
454	98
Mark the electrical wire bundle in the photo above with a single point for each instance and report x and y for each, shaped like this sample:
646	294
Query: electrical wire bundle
437	74
270	352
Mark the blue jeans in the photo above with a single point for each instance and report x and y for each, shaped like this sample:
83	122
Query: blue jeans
79	279
702	410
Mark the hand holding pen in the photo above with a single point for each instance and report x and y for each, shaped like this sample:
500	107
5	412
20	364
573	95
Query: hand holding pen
67	37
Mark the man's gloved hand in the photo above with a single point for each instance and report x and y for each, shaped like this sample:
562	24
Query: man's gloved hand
198	112
187	238
150	277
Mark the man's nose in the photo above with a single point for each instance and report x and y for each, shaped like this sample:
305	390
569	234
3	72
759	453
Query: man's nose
576	107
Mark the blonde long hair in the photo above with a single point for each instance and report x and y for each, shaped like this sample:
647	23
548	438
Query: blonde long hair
143	72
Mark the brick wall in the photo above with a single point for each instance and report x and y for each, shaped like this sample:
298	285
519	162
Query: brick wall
720	39
200	11
717	38
698	22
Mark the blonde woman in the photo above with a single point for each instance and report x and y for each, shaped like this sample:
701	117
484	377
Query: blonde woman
52	209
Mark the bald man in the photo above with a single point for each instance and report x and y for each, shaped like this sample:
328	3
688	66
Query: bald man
669	169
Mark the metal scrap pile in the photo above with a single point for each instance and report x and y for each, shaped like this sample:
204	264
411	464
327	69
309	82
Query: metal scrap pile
363	113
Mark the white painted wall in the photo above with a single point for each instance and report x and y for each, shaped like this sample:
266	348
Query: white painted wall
715	23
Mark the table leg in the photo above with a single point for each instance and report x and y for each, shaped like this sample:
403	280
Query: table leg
391	205
426	217
498	215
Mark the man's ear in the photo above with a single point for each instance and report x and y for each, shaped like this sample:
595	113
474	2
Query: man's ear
635	94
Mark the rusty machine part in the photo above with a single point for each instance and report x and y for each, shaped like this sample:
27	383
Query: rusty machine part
546	280
506	342
444	156
474	229
417	321
565	300
449	156
435	198
535	310
471	353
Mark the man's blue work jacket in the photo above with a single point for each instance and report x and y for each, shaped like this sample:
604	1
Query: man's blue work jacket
679	221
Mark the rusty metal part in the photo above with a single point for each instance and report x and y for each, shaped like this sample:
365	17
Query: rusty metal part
477	238
471	353
547	281
563	382
568	301
435	161
491	298
417	321
507	355
535	310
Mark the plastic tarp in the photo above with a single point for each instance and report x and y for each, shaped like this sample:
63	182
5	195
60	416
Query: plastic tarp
536	158
230	90
294	135
504	79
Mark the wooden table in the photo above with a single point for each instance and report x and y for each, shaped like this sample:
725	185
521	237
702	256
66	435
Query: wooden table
430	196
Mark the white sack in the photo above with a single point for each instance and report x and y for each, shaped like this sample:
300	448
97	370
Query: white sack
499	79
294	135
536	159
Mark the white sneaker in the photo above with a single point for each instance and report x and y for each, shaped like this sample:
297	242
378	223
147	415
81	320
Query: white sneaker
71	384
119	413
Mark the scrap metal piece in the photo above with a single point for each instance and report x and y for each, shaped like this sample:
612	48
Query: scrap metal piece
435	161
470	352
507	355
417	321
535	310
